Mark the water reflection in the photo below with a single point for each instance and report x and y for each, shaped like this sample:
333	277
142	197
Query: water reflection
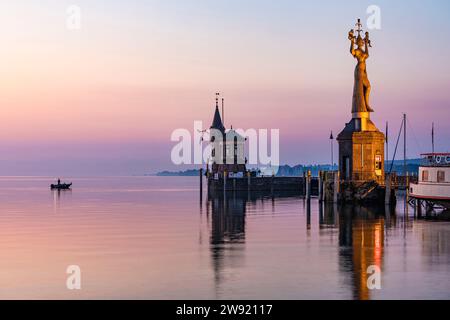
435	244
139	238
228	214
361	241
227	241
361	236
328	216
57	194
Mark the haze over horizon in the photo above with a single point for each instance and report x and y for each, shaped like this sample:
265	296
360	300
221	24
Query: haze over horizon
104	100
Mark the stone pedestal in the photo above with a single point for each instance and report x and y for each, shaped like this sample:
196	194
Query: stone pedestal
361	152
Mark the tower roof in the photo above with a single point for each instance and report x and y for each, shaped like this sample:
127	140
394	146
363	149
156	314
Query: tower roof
217	122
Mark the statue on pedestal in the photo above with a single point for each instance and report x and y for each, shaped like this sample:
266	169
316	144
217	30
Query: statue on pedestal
361	144
361	90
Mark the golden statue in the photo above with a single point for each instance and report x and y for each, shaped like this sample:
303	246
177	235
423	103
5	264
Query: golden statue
361	90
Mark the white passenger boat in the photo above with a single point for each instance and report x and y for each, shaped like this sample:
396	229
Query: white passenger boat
434	179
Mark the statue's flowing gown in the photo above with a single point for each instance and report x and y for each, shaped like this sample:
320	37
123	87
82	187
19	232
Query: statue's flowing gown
362	85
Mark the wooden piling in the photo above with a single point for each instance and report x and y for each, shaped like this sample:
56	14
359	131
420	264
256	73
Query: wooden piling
387	199
308	186
407	196
320	186
304	184
308	214
336	187
429	208
326	193
201	183
271	185
208	183
321	215
407	187
224	181
419	208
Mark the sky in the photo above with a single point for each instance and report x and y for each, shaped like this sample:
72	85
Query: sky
104	99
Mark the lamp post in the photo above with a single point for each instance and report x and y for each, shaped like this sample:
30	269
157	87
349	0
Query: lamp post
332	150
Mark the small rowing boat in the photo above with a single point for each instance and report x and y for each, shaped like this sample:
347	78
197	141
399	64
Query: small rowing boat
61	186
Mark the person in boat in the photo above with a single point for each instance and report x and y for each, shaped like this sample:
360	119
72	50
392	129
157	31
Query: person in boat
60	185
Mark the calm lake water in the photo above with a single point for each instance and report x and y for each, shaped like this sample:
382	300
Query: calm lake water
152	238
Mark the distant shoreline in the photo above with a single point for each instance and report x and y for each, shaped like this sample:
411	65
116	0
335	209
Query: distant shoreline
186	173
298	170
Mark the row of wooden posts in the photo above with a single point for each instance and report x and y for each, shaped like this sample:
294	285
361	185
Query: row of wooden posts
324	195
324	176
307	178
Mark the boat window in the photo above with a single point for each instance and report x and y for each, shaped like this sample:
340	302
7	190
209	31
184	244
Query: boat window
425	175
441	176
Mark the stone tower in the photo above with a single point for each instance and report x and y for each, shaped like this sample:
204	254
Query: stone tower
227	148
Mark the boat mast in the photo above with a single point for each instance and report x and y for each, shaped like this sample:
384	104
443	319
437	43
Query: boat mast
432	137
387	141
404	144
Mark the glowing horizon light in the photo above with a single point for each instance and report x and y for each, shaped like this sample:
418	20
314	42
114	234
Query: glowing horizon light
131	74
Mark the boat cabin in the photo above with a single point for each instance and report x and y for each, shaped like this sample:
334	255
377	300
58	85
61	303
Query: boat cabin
435	168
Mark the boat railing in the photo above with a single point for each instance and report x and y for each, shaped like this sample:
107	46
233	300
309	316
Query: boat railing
436	160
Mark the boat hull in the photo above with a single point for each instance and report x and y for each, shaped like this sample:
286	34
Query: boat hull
61	186
437	193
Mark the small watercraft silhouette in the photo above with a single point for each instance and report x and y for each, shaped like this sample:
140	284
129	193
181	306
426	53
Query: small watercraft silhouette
61	186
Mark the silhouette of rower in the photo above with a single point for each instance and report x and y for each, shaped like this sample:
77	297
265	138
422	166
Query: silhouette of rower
59	182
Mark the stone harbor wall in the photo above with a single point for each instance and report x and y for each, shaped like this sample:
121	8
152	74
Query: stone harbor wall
264	184
370	192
